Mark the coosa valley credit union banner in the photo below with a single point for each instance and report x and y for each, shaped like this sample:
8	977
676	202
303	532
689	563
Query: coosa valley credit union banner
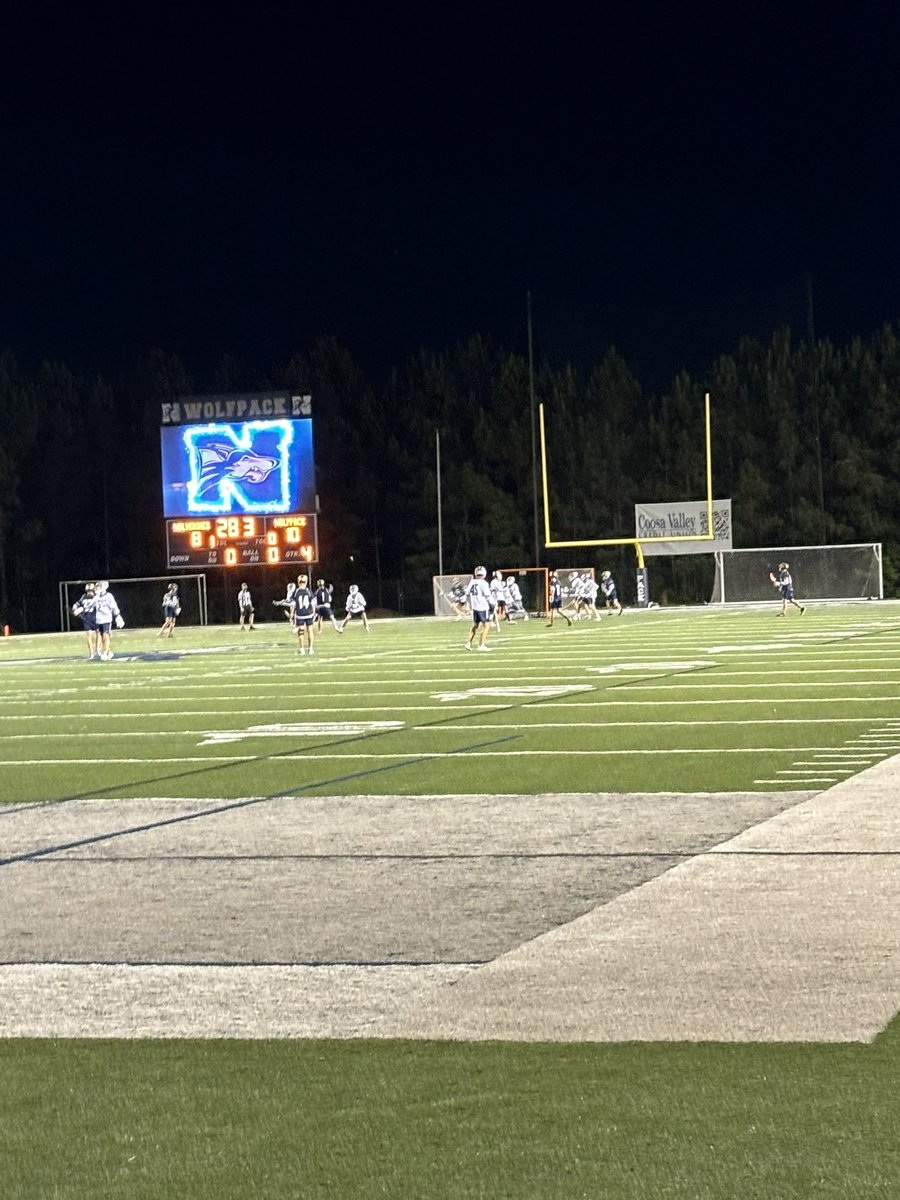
656	524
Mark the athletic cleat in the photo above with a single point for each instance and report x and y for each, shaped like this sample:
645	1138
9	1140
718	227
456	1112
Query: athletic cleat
802	609
483	649
311	650
468	646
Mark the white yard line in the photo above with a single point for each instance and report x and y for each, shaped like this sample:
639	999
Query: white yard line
617	698
424	754
775	700
95	762
184	726
693	682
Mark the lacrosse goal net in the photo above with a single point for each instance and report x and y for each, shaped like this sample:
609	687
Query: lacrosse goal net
140	599
819	573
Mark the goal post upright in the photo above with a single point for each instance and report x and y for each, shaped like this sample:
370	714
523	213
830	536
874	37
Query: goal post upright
709	536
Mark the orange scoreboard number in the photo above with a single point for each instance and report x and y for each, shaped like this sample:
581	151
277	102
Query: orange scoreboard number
242	540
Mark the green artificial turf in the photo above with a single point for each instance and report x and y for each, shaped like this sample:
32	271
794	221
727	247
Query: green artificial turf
688	701
347	1120
723	700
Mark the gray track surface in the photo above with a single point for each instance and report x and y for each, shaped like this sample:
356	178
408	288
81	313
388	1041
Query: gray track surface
575	917
362	880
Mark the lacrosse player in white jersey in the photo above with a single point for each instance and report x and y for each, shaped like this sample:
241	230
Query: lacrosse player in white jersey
499	598
479	597
107	614
288	602
356	607
589	589
245	607
516	606
574	595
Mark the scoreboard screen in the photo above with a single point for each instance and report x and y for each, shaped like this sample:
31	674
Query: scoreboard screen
242	541
229	469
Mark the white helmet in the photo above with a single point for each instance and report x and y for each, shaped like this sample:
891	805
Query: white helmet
510	579
606	575
480	572
102	586
353	589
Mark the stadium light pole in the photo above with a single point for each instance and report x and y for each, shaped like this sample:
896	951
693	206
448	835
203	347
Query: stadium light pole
440	527
534	467
814	384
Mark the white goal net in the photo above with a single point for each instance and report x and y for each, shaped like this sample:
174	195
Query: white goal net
450	594
819	573
573	592
140	600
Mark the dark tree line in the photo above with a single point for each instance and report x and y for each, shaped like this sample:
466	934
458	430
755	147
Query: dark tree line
806	442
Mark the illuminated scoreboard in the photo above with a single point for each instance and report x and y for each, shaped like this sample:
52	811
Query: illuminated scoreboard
238	481
242	541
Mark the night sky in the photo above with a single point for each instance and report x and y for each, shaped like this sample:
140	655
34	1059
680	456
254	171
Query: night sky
220	179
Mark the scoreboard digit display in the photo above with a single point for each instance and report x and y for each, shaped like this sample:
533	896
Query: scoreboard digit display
238	481
242	541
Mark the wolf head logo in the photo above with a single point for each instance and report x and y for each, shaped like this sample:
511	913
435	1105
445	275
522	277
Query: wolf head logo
219	461
239	468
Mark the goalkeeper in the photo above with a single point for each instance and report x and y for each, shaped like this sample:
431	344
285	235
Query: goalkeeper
171	606
785	585
106	612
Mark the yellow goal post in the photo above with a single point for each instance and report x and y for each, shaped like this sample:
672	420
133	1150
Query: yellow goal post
709	536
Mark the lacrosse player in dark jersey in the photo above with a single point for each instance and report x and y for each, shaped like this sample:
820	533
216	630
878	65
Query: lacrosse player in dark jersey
304	615
324	594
